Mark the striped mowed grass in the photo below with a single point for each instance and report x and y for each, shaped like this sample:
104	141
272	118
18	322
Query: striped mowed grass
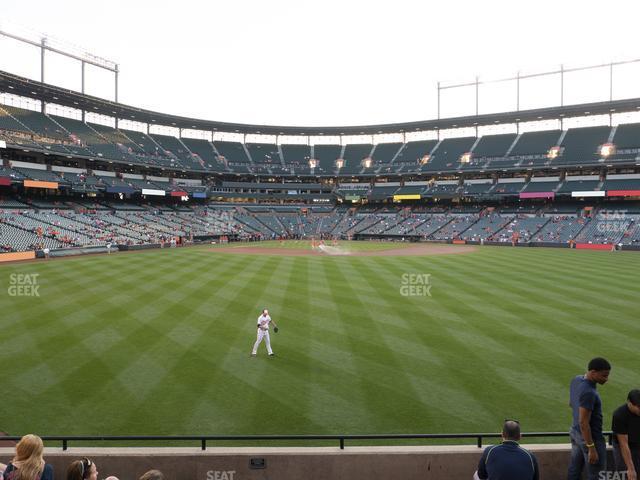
158	342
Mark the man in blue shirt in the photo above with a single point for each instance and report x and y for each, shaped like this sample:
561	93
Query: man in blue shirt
508	461
588	447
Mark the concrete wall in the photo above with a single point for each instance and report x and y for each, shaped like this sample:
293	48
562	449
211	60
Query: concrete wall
284	463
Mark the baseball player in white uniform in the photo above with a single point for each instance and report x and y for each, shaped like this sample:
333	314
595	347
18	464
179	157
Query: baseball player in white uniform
264	322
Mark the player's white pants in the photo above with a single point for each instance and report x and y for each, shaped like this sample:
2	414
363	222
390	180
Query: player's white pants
262	334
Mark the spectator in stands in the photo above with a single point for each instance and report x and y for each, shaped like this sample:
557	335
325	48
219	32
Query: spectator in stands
28	464
83	469
508	461
152	475
588	447
626	440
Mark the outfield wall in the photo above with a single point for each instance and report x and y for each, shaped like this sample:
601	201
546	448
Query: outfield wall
289	463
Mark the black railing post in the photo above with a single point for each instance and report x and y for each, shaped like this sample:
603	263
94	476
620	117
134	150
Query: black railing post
341	443
479	441
64	444
203	444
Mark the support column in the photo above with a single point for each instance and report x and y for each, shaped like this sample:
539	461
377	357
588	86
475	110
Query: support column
562	85
438	100
610	92
116	71
518	92
43	44
82	75
477	103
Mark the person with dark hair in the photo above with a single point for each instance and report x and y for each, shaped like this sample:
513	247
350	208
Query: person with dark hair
625	425
83	469
588	447
508	461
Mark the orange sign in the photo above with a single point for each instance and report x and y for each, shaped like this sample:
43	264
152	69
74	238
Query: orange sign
37	184
12	257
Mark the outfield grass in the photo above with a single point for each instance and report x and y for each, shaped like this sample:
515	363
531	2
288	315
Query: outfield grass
158	342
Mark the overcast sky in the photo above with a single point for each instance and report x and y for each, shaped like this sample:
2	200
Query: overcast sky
294	62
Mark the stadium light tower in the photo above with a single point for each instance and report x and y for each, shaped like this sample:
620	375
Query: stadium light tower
560	73
48	44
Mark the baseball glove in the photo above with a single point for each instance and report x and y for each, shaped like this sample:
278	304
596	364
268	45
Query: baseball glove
275	329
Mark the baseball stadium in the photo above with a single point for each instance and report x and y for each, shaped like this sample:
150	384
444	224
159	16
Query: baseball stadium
423	281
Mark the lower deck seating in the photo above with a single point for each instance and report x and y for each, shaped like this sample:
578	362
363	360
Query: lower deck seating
560	229
455	227
48	222
522	227
485	227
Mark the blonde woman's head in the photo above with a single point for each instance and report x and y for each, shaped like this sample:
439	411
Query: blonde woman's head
28	459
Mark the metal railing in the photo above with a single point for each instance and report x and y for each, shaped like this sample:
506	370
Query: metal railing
203	439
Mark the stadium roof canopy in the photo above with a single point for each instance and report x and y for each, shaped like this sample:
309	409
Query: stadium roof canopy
25	87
